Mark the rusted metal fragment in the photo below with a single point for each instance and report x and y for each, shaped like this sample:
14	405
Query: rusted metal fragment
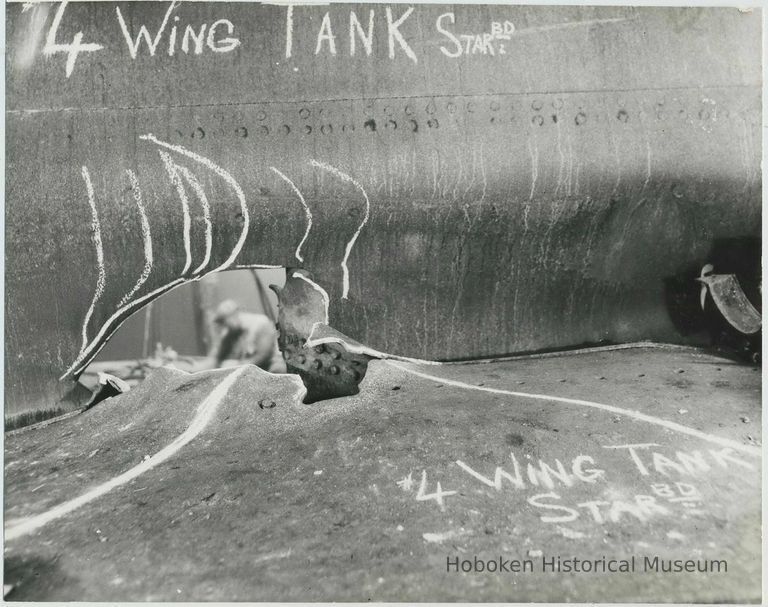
328	370
330	363
731	300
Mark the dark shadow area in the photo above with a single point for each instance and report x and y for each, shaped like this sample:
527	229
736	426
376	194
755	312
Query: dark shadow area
76	398
738	256
33	417
33	578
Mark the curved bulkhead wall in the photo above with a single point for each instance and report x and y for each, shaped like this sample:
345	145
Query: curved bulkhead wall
477	180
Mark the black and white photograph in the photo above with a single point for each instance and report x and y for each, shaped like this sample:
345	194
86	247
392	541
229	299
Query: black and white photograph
382	302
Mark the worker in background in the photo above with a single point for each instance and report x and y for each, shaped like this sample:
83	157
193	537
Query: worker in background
246	338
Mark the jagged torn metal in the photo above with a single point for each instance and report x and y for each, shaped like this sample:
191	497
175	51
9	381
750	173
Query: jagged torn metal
323	334
204	415
732	302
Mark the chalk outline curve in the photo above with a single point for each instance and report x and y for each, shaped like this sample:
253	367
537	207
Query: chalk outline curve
201	195
205	412
226	176
347	178
307	212
724	442
101	278
173	174
146	234
85	351
319	289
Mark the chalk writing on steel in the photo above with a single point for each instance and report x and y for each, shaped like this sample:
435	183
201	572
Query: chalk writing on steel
72	50
668	483
170	35
179	176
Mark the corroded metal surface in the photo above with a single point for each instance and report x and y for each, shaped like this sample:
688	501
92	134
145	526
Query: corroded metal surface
327	370
733	304
467	202
604	455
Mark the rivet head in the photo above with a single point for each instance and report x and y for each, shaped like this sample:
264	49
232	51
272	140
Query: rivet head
335	354
334	370
267	404
320	349
317	363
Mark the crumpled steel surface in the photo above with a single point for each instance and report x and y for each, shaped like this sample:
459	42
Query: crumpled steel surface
733	304
327	370
223	486
461	205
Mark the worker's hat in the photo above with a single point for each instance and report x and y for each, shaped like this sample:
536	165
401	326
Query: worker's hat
226	308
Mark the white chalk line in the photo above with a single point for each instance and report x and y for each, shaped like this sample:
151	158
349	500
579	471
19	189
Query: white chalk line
187	220
725	442
203	416
272	556
319	289
101	279
133	45
146	235
200	192
354	349
226	177
259	266
306	210
51	46
84	352
362	349
87	355
351	243
572	24
289	31
576	352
